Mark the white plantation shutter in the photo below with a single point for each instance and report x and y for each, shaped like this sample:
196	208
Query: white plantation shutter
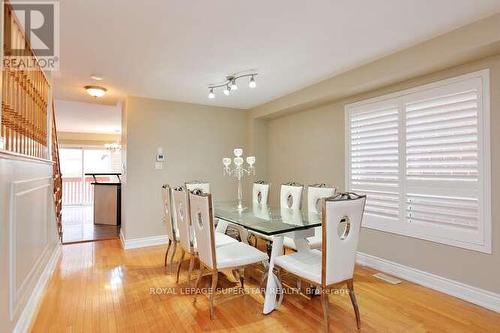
442	138
374	160
422	158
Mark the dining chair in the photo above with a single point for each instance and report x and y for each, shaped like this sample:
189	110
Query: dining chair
234	256
260	192
315	193
168	220
221	226
260	198
291	195
334	264
290	200
187	238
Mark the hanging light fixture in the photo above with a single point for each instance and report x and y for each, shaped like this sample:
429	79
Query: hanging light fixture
96	91
230	84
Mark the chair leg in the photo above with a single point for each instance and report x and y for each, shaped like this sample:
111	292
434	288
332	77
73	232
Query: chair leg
174	249
202	270
179	265
269	248
241	273
191	266
212	290
352	295
166	253
324	303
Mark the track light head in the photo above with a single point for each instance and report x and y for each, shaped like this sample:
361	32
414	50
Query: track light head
233	85
211	94
227	90
252	84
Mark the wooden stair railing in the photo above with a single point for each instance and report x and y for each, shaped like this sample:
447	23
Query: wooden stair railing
57	175
25	92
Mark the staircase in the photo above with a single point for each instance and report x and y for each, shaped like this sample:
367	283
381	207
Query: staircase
56	175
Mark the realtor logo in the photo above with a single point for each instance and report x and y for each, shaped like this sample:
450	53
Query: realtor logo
31	35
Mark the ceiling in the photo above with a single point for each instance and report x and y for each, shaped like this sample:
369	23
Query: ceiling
172	49
83	117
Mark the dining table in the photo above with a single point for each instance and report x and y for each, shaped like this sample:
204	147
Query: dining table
274	222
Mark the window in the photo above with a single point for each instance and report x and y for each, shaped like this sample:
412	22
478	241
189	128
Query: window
422	157
75	162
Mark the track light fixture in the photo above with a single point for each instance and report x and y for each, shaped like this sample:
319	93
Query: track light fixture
230	84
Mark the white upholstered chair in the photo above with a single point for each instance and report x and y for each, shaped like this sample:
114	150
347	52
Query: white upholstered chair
168	220
291	195
290	204
314	195
260	193
334	265
260	198
233	256
187	238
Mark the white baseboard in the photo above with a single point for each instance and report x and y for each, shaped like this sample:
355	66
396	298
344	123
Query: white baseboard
481	297
30	309
135	243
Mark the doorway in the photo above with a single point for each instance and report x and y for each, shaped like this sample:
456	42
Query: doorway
77	198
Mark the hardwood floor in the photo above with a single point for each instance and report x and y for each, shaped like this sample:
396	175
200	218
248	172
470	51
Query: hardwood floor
78	226
98	287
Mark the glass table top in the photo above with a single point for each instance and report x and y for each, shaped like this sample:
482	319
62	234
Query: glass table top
266	219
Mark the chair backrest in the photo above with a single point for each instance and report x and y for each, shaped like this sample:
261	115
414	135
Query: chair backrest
314	195
201	215
198	185
183	214
342	216
260	192
167	211
291	195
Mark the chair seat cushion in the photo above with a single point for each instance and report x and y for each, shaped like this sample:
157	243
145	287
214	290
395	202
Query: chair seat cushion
238	254
314	242
223	239
305	264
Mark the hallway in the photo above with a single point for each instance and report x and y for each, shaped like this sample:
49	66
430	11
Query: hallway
78	226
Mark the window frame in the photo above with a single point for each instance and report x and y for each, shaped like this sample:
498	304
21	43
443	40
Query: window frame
483	241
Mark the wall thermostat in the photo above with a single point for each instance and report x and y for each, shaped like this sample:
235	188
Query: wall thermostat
160	157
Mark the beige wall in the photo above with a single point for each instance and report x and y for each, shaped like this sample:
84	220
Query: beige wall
308	147
194	138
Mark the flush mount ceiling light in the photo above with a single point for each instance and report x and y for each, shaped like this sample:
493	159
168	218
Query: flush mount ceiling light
230	84
96	77
95	91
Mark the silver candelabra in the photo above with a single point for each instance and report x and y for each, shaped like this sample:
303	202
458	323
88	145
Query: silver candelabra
239	171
